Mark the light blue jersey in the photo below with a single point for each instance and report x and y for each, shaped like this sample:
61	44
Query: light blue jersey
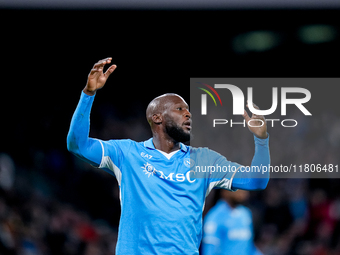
161	200
228	231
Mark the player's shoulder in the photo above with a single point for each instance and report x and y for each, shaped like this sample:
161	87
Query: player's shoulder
200	150
132	144
203	152
120	143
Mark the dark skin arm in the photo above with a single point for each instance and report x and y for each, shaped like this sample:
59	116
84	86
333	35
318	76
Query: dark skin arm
260	132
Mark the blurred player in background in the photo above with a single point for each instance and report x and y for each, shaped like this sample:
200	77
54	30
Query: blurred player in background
161	201
228	226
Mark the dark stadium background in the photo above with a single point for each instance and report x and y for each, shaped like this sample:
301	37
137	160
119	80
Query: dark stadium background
59	205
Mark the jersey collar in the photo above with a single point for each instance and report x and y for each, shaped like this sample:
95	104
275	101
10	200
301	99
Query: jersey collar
149	144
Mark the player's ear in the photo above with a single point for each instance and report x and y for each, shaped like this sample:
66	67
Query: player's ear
157	118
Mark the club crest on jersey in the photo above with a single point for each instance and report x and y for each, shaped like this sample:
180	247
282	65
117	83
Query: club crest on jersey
188	162
148	169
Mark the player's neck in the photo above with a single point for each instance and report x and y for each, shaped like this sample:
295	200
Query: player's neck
165	144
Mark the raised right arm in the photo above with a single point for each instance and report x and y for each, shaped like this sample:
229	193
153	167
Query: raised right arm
78	140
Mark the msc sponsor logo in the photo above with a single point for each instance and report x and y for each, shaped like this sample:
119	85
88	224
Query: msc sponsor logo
149	170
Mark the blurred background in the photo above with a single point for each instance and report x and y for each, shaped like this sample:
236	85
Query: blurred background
53	203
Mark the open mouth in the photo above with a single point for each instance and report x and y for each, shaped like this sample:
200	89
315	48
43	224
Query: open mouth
187	124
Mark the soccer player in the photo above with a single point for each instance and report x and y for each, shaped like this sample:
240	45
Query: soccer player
228	226
161	200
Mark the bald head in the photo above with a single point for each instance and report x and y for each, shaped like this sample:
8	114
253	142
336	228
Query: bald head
169	119
160	104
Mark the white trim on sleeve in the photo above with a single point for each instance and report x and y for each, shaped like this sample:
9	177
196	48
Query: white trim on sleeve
106	162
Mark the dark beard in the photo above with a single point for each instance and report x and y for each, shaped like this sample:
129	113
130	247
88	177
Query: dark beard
177	133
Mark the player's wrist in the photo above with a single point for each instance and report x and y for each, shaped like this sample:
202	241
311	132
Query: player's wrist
89	92
262	136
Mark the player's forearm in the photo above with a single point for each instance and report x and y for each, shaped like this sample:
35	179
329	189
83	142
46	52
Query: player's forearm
78	141
261	162
80	124
258	177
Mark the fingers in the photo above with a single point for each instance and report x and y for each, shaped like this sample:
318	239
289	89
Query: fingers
110	70
255	106
246	116
99	66
255	116
258	124
101	63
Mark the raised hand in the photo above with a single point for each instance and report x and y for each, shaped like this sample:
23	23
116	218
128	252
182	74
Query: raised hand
257	124
97	78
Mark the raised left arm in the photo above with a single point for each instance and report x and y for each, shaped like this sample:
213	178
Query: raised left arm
257	177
